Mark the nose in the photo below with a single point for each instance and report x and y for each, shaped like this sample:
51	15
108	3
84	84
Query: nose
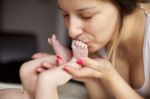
75	27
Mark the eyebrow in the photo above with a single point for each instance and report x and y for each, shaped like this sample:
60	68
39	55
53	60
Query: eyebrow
84	9
81	9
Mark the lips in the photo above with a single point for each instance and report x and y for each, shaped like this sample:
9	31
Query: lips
84	41
83	38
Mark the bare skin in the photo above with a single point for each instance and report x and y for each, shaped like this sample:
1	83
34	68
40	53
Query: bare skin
62	56
129	66
98	29
60	49
59	76
42	62
51	78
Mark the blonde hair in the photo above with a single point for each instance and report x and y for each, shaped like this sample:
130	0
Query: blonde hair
112	49
113	45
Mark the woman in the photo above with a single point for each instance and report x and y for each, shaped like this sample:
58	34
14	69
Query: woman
117	35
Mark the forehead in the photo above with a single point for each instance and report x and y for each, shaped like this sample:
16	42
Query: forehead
69	4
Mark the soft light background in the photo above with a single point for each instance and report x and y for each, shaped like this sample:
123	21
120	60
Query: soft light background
41	17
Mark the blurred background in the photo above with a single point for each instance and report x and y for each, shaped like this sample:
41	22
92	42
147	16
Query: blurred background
37	17
25	26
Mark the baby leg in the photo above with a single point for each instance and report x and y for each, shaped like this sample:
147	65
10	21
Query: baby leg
58	74
63	52
80	50
49	80
29	75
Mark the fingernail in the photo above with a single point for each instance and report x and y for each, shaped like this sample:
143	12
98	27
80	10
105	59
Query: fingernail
58	57
80	61
57	61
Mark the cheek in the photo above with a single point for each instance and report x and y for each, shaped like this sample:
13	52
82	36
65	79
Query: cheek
98	32
100	37
102	31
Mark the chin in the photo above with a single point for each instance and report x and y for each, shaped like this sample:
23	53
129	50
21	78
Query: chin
92	50
94	46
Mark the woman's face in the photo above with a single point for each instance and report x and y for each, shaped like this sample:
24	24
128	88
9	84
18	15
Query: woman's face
92	21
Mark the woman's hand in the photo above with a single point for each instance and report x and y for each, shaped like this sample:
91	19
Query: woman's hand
29	73
39	54
97	68
107	74
91	73
45	64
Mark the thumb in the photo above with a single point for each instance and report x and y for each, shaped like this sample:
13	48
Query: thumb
86	62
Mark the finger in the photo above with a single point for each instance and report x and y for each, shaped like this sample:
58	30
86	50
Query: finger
58	60
47	65
88	62
44	66
40	69
50	58
83	72
38	55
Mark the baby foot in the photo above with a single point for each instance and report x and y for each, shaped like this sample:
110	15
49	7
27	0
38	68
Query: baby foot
62	52
80	50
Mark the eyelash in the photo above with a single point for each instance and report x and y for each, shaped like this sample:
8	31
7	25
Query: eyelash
86	17
83	17
65	16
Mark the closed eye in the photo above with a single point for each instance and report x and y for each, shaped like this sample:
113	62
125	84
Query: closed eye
65	15
86	17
